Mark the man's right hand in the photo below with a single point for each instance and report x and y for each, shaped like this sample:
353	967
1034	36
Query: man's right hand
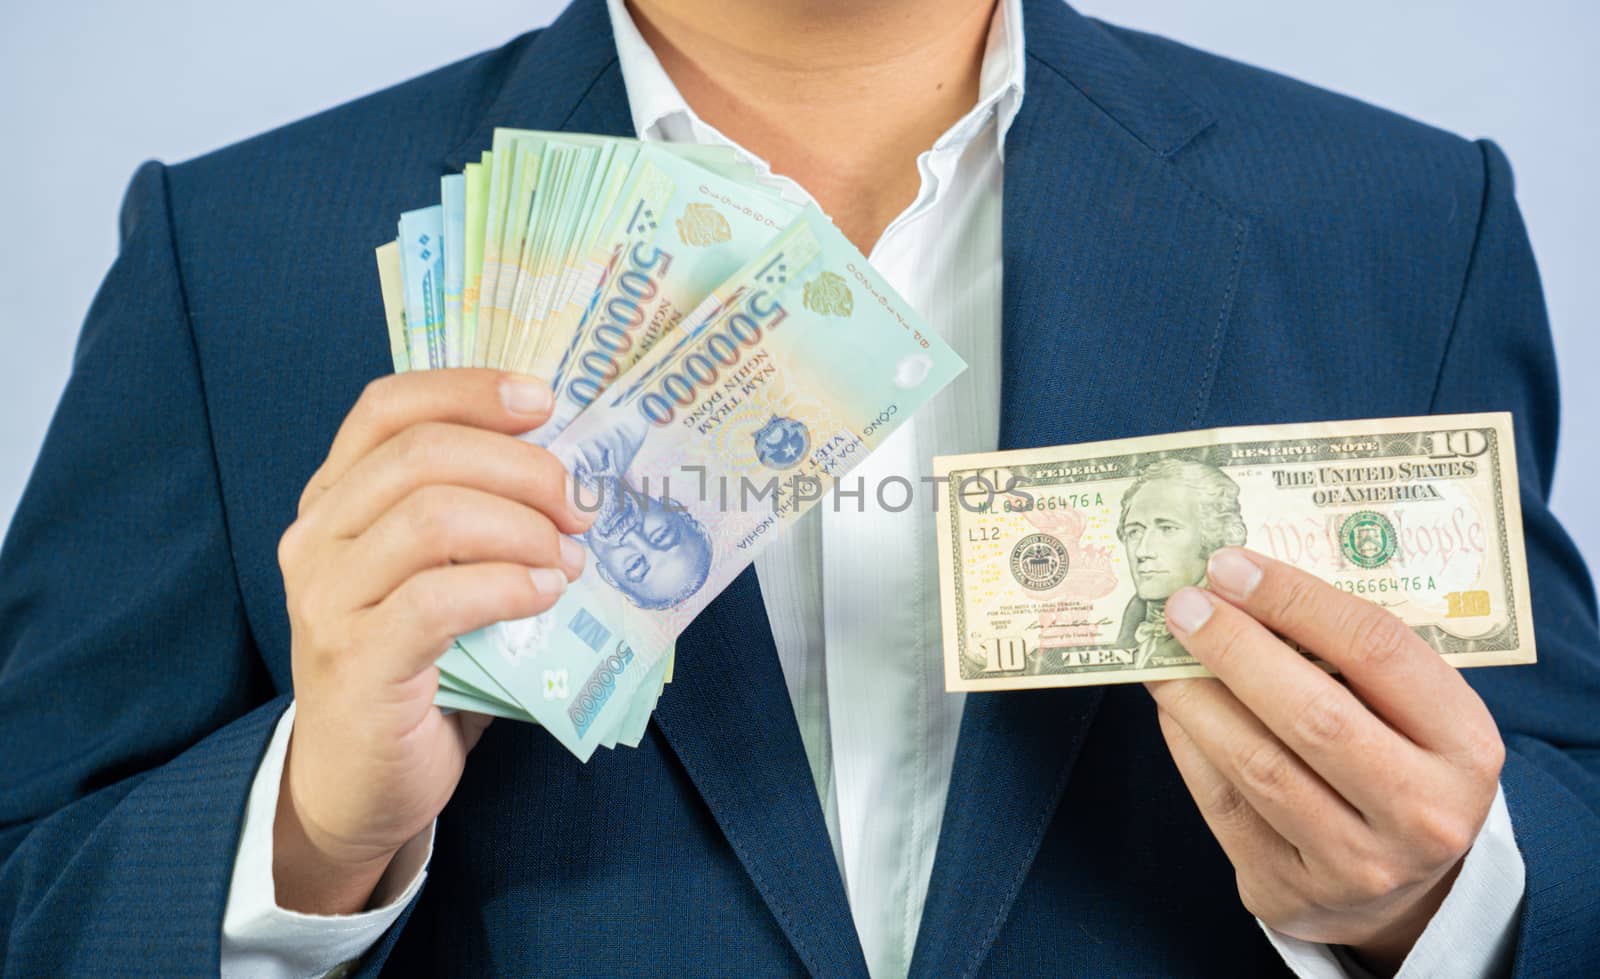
427	520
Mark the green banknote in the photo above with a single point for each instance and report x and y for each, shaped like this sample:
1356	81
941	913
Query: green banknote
1056	563
686	315
779	374
477	206
393	288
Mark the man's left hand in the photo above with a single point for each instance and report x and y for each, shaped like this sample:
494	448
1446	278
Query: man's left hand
1345	807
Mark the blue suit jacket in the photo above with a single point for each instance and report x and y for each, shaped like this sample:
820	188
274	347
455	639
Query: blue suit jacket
1188	242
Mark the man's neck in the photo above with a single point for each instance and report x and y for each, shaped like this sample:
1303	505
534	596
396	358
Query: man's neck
839	95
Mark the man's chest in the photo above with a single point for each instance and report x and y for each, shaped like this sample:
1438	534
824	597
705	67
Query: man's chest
1068	336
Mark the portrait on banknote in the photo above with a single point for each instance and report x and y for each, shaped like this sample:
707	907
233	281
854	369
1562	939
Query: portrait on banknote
648	548
1176	512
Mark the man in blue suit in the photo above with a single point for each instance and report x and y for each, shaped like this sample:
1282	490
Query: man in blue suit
1270	252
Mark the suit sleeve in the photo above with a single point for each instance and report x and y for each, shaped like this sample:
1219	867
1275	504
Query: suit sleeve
1500	357
134	708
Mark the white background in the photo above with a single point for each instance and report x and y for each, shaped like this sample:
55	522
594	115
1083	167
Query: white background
89	89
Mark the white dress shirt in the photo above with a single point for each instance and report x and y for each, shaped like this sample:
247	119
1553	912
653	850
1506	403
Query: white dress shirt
852	596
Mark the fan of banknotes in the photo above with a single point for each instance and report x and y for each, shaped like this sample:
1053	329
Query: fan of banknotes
718	353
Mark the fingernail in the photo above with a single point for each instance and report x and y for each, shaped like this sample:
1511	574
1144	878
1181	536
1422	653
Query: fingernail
548	581
572	555
525	395
1231	571
1188	609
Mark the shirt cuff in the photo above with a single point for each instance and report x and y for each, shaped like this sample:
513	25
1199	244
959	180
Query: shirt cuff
1473	934
261	939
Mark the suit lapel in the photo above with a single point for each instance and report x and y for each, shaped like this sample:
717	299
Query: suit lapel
565	78
1118	282
727	715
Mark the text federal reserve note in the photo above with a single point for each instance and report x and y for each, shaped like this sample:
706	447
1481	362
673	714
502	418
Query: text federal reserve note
1056	563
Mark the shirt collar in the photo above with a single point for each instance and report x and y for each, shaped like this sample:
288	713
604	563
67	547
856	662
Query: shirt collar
655	101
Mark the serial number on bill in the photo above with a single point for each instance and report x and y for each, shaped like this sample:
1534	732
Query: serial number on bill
1378	586
1023	502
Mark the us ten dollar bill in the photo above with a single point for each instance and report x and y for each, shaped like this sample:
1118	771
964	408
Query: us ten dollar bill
1056	563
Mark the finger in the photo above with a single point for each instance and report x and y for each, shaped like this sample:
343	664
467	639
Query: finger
441	525
1321	721
418	620
1392	669
438	453
1276	784
1259	853
489	399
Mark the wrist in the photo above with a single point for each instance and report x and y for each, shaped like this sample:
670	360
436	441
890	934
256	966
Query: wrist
310	874
1385	952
